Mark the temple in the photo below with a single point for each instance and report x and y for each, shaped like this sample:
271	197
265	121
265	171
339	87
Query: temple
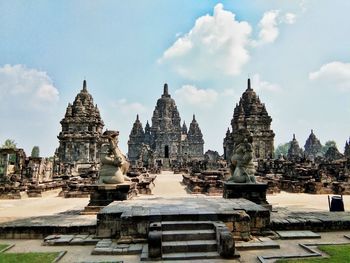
81	130
169	142
313	147
295	153
251	114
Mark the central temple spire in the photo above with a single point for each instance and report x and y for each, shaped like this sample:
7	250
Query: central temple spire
249	87
166	91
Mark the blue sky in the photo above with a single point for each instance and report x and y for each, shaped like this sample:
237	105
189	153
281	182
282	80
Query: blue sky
297	53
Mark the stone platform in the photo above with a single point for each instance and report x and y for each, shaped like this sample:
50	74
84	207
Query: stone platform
253	192
40	227
104	194
129	220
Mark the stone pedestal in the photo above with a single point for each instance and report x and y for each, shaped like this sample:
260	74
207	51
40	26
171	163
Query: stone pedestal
104	194
253	192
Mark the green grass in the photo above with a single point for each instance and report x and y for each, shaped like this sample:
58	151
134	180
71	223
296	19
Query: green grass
28	257
337	253
2	246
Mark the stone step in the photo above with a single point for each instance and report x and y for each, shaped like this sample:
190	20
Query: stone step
185	235
186	225
190	255
189	246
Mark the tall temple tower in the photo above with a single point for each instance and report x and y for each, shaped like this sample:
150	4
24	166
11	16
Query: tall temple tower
251	114
81	130
169	141
313	147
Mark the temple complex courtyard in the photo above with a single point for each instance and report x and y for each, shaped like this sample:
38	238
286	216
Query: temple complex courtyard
54	210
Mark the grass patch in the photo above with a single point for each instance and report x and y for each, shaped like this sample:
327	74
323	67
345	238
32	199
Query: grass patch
337	253
28	257
2	246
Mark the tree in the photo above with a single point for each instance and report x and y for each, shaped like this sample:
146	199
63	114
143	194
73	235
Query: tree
35	151
9	144
327	145
282	149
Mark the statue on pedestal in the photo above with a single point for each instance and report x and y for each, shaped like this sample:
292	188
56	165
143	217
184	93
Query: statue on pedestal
242	166
114	164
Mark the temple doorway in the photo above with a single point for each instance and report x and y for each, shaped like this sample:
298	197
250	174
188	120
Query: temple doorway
166	151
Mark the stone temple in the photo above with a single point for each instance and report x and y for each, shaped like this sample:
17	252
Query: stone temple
170	143
313	147
81	130
251	114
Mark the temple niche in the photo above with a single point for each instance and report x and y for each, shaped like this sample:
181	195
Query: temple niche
170	143
251	114
313	147
81	130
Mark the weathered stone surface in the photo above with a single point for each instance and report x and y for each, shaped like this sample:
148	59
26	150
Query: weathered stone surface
251	114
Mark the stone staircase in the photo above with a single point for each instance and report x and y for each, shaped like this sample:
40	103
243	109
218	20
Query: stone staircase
186	240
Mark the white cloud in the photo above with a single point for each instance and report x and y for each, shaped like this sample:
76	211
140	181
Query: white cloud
26	87
216	44
334	74
289	18
259	84
127	108
268	25
194	96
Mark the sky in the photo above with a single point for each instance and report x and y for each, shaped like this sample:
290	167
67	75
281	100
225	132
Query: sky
297	53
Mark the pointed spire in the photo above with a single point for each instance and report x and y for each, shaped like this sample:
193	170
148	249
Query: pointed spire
312	131
194	117
137	117
293	136
249	87
166	91
84	85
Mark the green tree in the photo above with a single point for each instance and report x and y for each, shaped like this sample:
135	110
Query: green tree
282	149
327	145
9	144
35	151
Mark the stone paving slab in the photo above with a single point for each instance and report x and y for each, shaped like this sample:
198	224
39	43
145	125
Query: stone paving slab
260	243
284	219
110	247
297	234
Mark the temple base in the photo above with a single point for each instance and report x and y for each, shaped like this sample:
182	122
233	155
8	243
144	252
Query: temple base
253	192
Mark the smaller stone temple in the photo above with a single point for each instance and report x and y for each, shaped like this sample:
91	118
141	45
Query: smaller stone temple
81	131
252	115
169	142
313	147
295	153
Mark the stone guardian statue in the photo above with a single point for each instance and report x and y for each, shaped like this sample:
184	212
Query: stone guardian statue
114	164
242	166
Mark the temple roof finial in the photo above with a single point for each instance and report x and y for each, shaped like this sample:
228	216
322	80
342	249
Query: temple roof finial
137	117
84	85
194	117
166	91
249	87
293	136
